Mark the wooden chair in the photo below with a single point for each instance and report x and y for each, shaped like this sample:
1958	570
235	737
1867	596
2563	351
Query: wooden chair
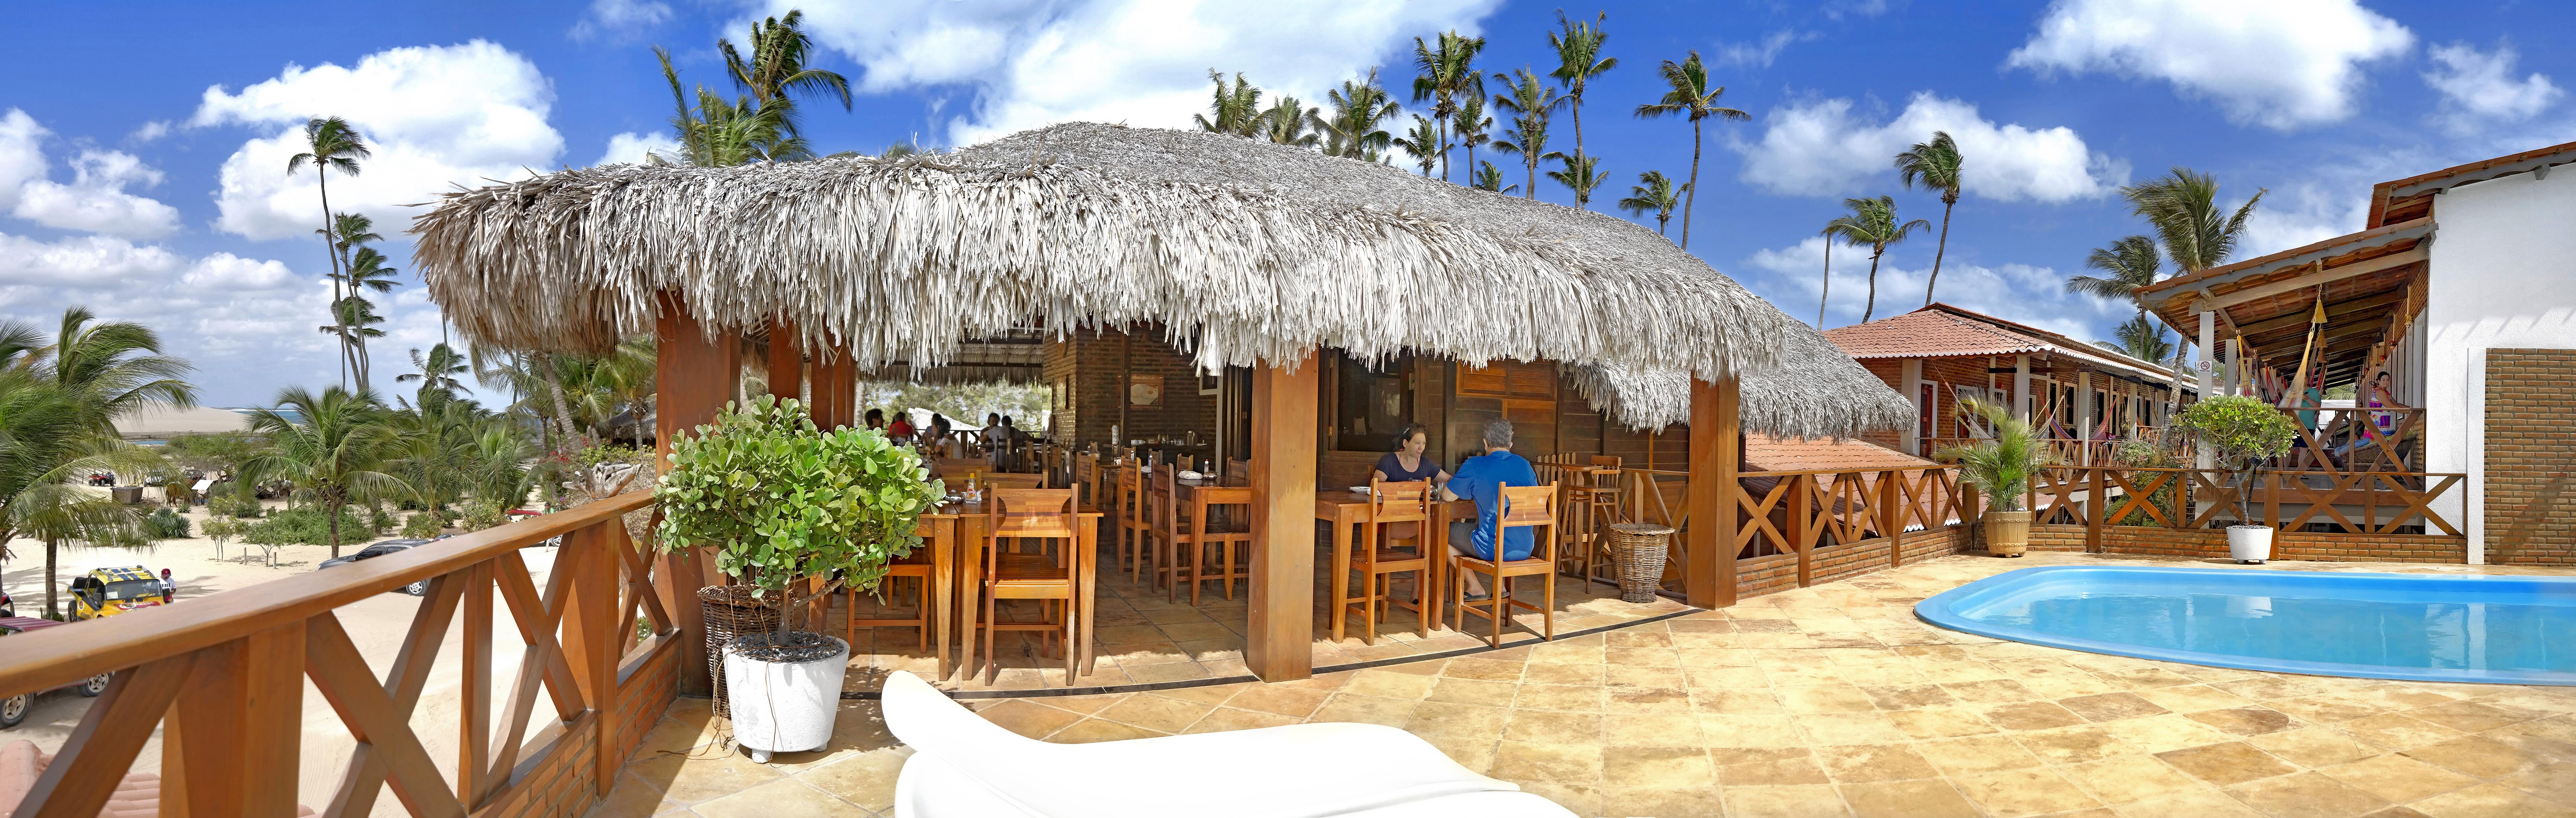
1238	469
1589	503
1523	507
1214	547
914	566
1377	563
1135	526
1169	539
1042	514
1086	478
1015	481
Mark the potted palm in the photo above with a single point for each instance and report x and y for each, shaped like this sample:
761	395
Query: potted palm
780	503
2000	468
2244	433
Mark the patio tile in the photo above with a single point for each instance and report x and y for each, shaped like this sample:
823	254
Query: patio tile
2491	801
1557	763
2396	732
2471	717
1862	763
1810	801
1562	674
1849	728
1159	713
1750	731
2307	794
2131	778
1230	718
1560	697
2228	763
1663	802
1029	718
1976	754
2245	721
2111	706
2192	698
2397	778
1483	670
2478	756
867	781
1364	709
2073	745
1657	766
2156	734
1091	730
2313	747
1286	701
1939	722
706	776
783	798
2323	709
1930	798
2024	792
2032	716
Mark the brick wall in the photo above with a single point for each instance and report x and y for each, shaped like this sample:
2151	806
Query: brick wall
1842	561
1097	363
2530	444
1779	572
559	778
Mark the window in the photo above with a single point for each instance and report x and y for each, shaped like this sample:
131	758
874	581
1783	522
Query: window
1371	403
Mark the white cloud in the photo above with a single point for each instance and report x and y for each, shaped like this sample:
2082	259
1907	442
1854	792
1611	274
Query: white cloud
620	19
2479	86
96	200
22	155
247	324
1823	148
631	148
2277	63
84	262
2015	292
1760	54
1142	62
231	272
435	116
149	132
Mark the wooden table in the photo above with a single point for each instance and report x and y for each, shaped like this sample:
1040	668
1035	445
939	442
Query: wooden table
968	521
1347	509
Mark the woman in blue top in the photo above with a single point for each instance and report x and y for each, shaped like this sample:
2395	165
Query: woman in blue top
1406	463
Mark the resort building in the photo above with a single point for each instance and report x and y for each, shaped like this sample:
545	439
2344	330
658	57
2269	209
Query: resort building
2460	352
2081	396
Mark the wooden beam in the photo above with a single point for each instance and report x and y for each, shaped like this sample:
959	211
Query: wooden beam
833	392
1279	633
591	640
2314	277
2334	310
786	361
693	376
235	729
1716	449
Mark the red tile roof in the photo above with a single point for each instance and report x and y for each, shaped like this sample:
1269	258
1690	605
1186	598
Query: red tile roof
1767	453
1930	332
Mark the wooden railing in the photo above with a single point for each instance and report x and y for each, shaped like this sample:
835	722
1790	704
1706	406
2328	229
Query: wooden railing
1805	514
2364	502
223	676
2351	440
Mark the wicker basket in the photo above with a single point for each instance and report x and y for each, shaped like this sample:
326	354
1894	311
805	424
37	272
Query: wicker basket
1639	549
730	611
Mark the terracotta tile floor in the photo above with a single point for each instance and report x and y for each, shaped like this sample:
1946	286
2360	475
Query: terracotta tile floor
1145	637
1831	700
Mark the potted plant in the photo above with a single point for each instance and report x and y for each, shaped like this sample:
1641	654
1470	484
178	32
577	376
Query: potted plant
780	503
2000	468
2243	432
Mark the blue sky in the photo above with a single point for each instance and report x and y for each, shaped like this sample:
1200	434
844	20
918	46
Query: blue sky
141	163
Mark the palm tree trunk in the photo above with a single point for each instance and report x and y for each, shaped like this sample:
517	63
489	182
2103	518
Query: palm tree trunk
1872	304
555	390
331	253
1829	283
1690	198
1530	191
51	612
1444	150
332	510
1575	100
1941	250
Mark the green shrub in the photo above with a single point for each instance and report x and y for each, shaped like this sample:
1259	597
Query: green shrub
305	526
379	521
780	500
232	505
424	525
165	524
2244	432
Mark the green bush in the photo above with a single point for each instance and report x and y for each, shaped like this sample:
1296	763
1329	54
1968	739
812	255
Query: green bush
2244	432
424	525
305	526
780	500
379	521
165	524
235	506
481	514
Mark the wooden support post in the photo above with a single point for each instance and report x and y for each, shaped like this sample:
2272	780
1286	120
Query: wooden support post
230	744
694	374
786	361
1891	515
833	392
1716	447
474	778
1279	636
590	638
1802	527
2097	509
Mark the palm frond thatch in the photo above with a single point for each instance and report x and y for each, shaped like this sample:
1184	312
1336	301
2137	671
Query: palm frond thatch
1259	252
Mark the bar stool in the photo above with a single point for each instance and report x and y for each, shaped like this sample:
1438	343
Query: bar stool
914	566
1377	564
1523	507
1590	504
1214	547
1041	514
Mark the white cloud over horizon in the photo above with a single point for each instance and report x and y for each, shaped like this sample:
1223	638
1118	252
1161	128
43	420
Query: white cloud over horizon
2017	292
2281	64
1826	148
1031	63
632	148
2478	87
435	116
1760	53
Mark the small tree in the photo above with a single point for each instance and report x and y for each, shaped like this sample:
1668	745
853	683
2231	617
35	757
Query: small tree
2245	432
221	529
424	524
781	501
2000	468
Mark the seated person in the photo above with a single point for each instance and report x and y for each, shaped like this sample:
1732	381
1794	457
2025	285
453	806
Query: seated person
1406	464
1482	478
902	428
876	419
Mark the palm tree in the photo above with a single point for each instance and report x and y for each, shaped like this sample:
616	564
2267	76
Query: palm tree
1936	165
437	371
109	369
1490	178
1690	96
1653	192
1472	126
1446	73
1873	223
1578	60
1422	143
2129	265
1827	296
721	133
2141	339
1237	108
1580	175
334	447
1353	130
367	272
330	142
1530	102
779	50
1291	122
2183	209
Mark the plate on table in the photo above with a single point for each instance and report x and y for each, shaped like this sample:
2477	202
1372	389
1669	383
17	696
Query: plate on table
1190	475
1359	490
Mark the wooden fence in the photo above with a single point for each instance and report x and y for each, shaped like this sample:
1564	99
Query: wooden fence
222	678
2360	502
1799	528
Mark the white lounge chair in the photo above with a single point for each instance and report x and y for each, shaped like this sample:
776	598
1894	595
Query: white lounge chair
965	767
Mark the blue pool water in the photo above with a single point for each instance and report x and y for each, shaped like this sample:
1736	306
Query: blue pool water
2389	626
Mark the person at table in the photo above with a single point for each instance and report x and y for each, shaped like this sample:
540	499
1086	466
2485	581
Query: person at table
876	419
902	428
1482	478
1408	463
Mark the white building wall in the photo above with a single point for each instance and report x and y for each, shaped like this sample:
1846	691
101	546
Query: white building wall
2503	276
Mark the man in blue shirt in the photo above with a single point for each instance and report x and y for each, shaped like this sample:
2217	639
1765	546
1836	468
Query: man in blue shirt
1482	478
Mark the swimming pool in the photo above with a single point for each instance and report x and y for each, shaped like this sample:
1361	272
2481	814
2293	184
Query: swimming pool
2519	630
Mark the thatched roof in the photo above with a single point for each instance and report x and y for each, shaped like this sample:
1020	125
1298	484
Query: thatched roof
1255	251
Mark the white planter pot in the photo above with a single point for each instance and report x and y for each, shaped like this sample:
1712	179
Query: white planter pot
2249	544
782	707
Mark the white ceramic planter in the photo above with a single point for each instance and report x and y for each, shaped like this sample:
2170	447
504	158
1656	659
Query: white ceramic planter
784	707
2249	544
